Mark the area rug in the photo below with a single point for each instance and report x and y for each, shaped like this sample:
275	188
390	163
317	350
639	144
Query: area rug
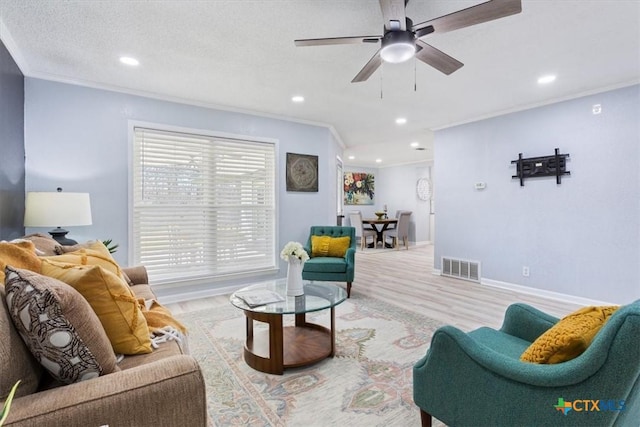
367	383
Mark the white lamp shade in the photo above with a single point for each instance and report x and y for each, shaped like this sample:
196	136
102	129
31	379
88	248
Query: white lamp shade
57	209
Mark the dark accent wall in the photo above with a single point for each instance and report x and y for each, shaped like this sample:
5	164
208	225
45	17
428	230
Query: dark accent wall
11	147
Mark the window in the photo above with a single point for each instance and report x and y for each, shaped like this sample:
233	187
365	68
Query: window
203	206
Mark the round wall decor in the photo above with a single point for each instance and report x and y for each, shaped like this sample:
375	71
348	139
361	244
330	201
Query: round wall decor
423	189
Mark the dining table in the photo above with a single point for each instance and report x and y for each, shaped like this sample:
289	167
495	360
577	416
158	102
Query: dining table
380	225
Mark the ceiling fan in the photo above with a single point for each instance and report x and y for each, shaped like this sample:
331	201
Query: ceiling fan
401	39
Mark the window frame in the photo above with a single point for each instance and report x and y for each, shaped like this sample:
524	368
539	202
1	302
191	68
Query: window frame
202	279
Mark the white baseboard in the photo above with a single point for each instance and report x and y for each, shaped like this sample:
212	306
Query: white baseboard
178	291
188	296
542	293
535	291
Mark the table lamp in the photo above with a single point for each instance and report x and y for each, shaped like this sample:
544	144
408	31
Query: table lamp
57	209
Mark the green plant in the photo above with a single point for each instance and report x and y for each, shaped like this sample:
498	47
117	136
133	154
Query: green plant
7	404
112	247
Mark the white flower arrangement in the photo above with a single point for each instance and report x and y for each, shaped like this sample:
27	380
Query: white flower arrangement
294	249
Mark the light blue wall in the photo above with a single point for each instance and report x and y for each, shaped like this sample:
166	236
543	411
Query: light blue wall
396	187
77	138
579	238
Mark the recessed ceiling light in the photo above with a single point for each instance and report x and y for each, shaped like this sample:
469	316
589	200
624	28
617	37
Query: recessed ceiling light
546	79
415	144
401	121
297	99
352	157
127	60
378	160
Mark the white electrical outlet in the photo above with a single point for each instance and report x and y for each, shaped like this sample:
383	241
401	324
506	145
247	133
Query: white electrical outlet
525	271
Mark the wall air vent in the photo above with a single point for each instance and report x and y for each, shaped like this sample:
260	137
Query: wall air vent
461	269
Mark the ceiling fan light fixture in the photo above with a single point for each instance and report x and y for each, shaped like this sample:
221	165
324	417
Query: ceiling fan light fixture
398	46
397	53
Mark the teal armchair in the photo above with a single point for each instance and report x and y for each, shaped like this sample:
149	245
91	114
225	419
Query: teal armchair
331	269
477	379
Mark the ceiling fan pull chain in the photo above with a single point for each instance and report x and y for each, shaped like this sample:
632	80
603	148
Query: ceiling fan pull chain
381	80
415	76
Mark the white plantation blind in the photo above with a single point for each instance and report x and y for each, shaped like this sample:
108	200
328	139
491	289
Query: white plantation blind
203	206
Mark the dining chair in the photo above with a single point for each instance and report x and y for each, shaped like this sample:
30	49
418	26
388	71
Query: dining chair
361	232
393	226
401	231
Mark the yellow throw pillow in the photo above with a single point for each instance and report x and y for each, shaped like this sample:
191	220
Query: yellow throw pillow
90	253
20	254
111	299
568	338
329	246
95	245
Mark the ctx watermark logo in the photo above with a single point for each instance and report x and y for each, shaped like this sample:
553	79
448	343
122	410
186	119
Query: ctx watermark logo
589	405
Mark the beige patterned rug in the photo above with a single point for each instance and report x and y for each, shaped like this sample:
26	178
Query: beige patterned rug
367	383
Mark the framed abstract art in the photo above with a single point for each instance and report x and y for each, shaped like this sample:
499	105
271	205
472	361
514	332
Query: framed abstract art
302	172
359	188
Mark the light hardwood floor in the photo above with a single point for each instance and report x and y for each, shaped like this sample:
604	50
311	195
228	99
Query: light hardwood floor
405	278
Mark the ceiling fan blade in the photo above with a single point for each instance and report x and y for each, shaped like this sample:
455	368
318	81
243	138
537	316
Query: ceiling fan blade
436	58
473	15
369	68
393	15
338	40
424	31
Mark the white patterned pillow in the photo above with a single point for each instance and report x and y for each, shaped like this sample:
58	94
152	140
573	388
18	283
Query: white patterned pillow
59	327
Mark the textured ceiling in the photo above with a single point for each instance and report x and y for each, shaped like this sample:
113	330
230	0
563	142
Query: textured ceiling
239	54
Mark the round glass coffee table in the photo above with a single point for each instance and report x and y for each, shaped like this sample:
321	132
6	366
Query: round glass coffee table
299	344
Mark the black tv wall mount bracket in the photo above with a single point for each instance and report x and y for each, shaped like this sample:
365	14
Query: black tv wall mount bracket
534	167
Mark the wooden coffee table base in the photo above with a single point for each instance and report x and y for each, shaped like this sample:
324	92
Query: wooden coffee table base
286	347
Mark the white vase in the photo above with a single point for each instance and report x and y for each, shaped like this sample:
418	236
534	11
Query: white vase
294	277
